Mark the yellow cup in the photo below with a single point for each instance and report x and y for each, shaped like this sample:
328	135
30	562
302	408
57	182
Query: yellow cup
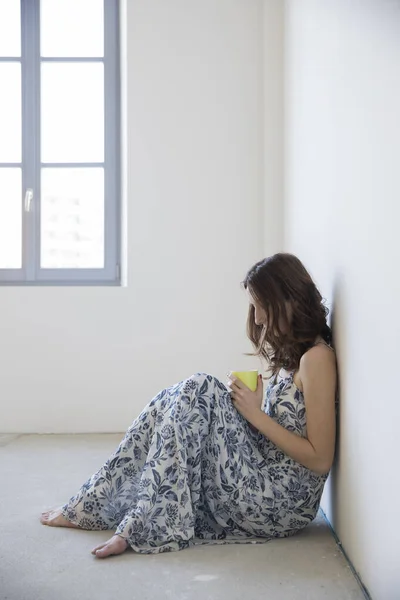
249	378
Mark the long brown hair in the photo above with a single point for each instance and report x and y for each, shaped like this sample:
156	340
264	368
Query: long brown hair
275	283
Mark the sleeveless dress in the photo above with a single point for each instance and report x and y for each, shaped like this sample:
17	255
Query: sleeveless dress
192	470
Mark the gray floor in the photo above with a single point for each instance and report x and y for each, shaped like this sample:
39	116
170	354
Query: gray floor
42	563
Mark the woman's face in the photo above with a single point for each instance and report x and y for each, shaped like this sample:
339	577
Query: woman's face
260	316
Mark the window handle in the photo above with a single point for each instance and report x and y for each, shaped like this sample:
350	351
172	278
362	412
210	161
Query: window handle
28	199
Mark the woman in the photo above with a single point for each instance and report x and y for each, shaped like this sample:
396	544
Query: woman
213	463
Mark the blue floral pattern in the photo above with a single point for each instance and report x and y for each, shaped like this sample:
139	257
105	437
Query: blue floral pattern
191	470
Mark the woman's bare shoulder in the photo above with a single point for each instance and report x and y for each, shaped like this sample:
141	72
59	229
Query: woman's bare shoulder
320	357
319	361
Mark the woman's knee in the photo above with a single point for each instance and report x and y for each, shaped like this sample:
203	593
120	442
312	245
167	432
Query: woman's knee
205	384
200	378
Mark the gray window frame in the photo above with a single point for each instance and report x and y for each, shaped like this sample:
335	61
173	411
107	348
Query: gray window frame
31	272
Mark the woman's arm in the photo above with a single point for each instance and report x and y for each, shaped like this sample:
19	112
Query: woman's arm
317	374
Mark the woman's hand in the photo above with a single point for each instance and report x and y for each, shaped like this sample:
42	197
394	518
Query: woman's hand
246	402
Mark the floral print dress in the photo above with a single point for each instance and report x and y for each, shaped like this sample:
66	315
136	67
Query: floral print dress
191	469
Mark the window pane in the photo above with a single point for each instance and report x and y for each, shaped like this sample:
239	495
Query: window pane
10	28
10	112
10	219
72	112
72	28
72	218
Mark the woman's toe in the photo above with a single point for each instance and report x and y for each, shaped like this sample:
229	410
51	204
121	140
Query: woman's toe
116	545
44	518
98	548
104	552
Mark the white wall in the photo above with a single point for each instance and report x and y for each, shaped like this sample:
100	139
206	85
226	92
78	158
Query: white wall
272	125
343	213
88	359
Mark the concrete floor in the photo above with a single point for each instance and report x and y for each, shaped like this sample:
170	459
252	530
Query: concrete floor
42	563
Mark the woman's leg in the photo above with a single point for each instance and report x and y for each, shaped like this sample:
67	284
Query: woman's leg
178	472
198	473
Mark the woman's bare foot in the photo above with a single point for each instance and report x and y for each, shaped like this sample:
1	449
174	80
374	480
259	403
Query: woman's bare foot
115	545
54	518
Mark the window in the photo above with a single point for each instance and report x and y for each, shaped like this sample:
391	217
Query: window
59	141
